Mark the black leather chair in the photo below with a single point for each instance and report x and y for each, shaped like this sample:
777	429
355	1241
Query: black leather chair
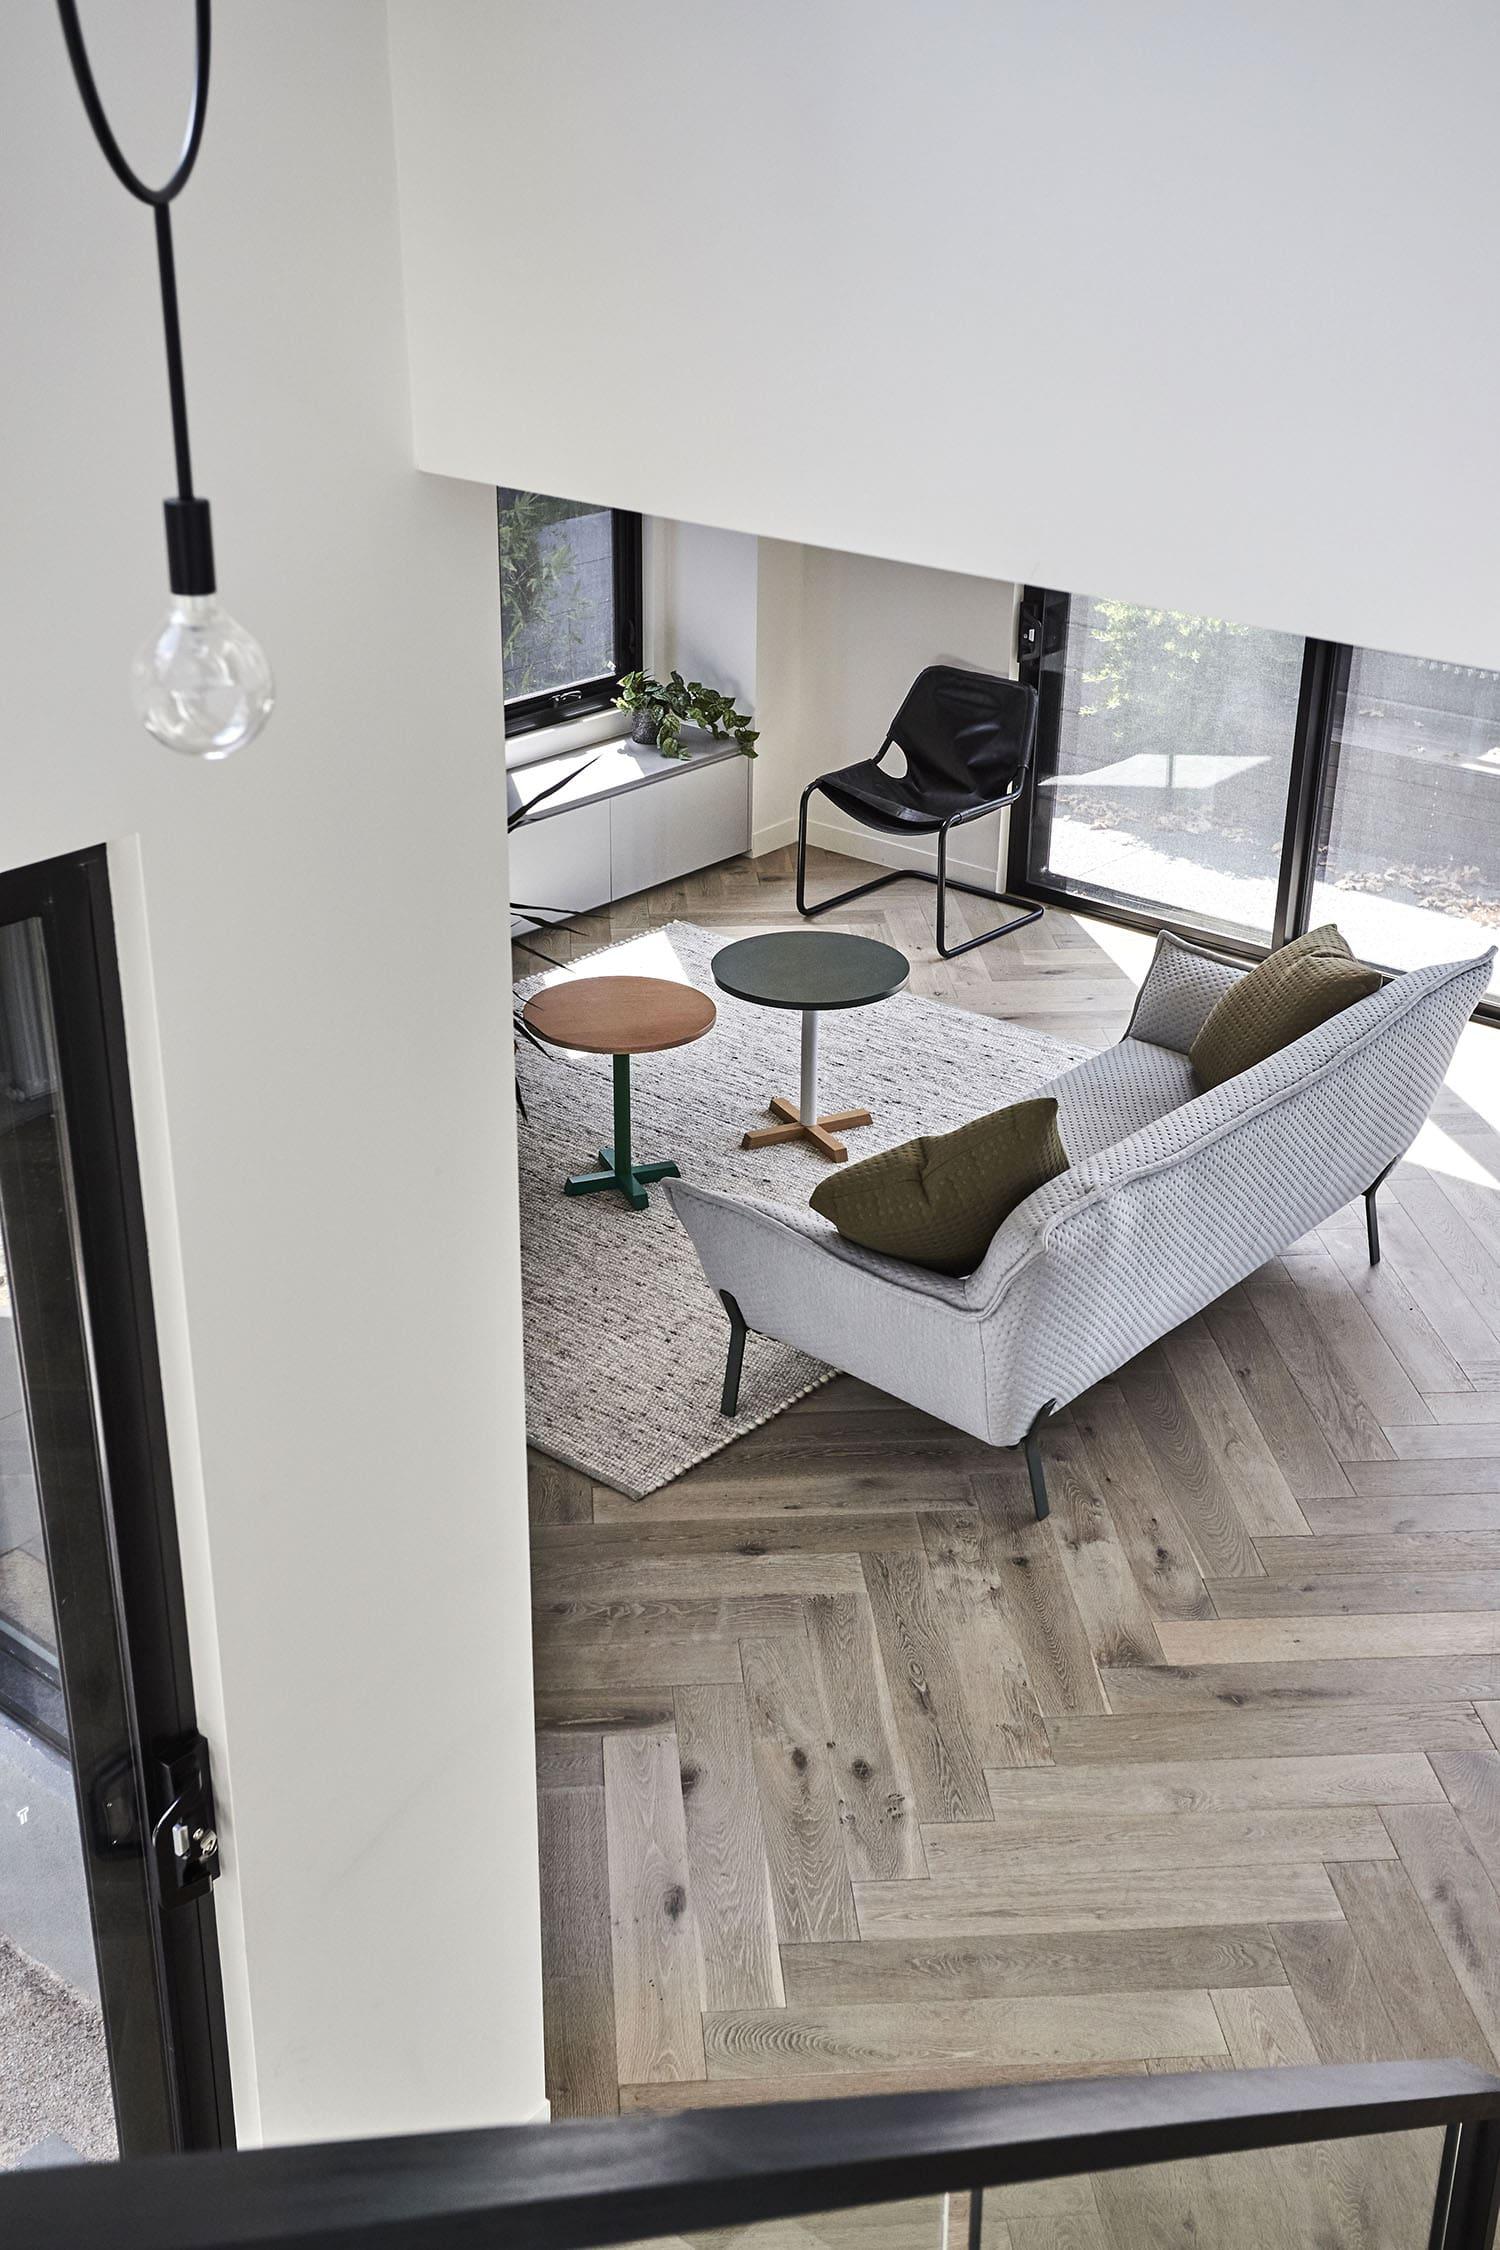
967	738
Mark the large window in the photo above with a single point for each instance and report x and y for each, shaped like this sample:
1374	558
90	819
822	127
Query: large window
1246	783
1408	851
570	605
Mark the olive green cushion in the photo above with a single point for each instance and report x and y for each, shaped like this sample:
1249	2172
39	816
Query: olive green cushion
936	1201
1291	992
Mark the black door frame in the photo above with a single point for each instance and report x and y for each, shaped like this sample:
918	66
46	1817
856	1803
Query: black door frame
1042	636
112	1550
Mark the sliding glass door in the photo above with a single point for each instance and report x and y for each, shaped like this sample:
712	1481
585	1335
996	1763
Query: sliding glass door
1245	783
1408	846
110	2024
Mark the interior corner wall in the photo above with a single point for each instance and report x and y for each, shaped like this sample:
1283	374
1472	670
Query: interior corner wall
701	597
313	947
841	638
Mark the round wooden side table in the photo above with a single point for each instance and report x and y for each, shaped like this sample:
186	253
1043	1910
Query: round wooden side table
620	1017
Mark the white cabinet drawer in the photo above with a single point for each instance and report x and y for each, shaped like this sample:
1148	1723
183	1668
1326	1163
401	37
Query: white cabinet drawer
698	816
562	863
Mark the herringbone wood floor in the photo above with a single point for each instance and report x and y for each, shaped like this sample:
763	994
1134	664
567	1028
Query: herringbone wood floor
854	1777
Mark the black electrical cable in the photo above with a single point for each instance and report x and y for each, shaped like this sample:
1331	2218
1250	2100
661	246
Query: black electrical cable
189	537
83	71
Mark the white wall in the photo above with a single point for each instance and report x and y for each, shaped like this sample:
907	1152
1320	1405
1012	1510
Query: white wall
700	589
1189	306
841	638
313	946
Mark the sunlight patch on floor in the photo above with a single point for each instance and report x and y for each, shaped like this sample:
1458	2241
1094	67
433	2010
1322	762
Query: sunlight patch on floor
1440	1152
650	955
1130	950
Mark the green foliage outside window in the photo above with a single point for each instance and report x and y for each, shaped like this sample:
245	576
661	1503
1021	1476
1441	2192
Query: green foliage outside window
540	596
1139	656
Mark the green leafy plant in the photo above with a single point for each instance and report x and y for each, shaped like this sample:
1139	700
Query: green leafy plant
669	705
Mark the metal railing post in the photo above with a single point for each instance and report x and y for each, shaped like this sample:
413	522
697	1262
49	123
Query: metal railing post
1468	2194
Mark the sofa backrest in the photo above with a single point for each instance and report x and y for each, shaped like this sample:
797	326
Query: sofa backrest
1118	1250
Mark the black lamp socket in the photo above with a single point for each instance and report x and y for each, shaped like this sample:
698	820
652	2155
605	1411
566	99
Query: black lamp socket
190	547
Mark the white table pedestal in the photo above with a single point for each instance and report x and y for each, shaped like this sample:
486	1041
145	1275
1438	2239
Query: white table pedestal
800	1118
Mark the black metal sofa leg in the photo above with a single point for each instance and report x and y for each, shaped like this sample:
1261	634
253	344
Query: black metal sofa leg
1372	1220
729	1403
1032	1444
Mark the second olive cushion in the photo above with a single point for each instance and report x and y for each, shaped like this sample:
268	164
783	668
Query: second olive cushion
936	1201
1288	994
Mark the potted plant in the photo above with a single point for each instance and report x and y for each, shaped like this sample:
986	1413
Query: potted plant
663	707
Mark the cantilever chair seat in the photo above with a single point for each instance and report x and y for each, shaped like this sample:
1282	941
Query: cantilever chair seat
967	739
897	803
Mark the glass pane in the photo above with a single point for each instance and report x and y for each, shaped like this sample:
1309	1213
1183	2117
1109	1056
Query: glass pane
1167	789
1370	2194
55	2094
1409	857
557	592
925	2223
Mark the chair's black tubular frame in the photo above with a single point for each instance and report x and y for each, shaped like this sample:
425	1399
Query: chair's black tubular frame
587	2185
944	881
1042	656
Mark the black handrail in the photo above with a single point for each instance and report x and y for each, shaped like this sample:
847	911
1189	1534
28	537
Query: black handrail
567	2187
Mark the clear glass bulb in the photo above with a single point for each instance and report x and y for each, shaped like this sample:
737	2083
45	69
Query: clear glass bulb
201	684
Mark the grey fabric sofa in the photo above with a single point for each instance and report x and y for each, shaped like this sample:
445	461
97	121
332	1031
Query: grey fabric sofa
1171	1197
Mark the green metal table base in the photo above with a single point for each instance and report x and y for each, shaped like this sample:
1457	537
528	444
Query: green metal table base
619	1171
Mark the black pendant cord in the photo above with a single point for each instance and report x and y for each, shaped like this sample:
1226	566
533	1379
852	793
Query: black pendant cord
189	535
176	387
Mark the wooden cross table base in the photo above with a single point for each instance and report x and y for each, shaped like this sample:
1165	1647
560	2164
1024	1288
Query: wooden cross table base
821	1132
800	1119
809	970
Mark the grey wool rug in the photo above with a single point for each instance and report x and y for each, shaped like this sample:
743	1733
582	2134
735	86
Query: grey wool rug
55	2102
624	1338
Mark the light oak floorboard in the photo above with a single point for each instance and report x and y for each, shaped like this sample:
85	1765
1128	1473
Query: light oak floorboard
1342	1729
1017	1966
931	1712
966	1906
1274	1640
1306	1681
967	1570
578	2003
728	1869
1038	1849
658	1976
1365	1593
877	1800
1459	1900
1105	2027
798	1795
1177	1786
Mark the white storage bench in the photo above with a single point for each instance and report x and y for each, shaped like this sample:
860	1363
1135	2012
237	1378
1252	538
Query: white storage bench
630	819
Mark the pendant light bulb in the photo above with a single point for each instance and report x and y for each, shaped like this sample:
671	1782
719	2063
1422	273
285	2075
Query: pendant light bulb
202	684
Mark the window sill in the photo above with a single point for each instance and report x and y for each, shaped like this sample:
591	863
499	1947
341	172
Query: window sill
536	744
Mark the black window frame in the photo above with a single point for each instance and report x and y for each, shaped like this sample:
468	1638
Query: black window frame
160	1985
1042	638
524	714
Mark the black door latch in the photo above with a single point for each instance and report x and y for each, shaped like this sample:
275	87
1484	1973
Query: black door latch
185	1837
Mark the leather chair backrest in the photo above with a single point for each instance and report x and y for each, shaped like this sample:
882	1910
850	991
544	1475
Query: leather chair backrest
966	733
